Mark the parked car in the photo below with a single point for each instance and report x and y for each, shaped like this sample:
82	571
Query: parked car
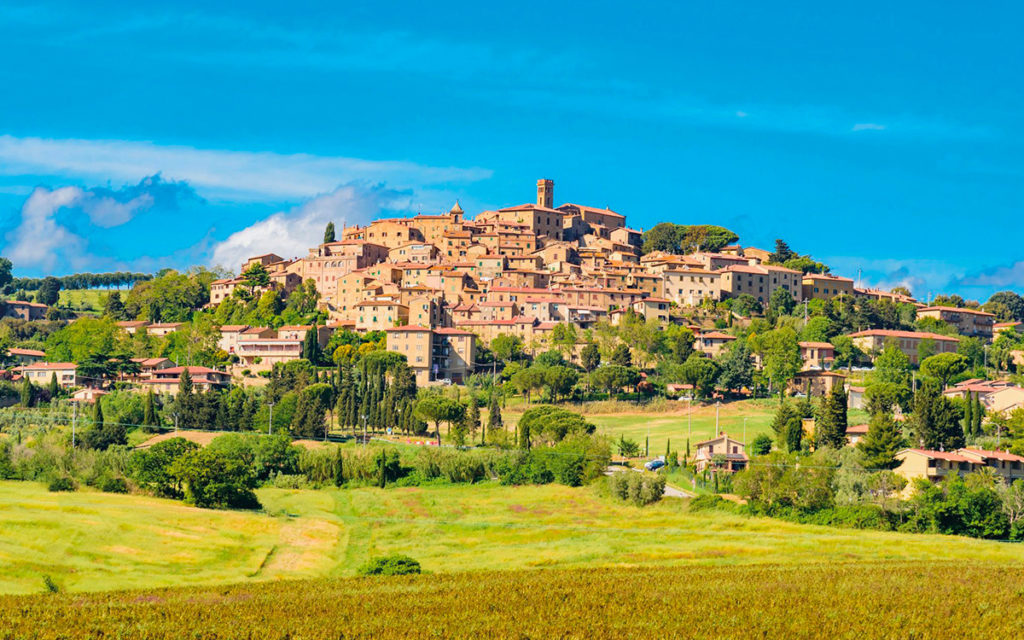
654	465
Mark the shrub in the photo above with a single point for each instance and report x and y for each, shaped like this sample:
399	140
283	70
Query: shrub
391	565
112	484
639	488
710	501
61	483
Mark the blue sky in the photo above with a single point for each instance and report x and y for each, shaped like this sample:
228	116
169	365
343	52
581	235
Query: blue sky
884	137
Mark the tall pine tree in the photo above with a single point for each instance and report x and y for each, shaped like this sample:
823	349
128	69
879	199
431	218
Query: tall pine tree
830	427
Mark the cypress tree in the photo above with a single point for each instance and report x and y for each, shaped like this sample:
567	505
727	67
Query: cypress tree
329	233
472	418
687	449
97	416
494	420
969	415
26	393
647	446
149	411
54	387
979	411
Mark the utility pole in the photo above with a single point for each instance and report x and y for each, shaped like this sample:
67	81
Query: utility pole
744	430
74	424
689	417
717	405
270	419
175	423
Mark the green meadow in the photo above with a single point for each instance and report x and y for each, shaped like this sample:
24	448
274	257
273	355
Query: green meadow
88	541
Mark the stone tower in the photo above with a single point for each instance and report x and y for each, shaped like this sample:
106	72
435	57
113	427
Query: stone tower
546	193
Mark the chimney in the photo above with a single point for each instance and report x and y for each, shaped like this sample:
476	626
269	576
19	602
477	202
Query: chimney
546	193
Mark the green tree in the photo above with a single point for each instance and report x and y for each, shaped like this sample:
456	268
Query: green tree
702	373
311	346
54	389
620	356
49	291
737	367
830	427
761	445
27	392
437	408
892	365
507	347
781	302
780	352
935	421
590	357
944	366
5	273
925	349
560	381
494	420
255	277
553	424
113	308
882	442
329	233
149	415
471	420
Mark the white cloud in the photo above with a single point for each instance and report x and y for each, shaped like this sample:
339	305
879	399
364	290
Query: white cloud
215	172
868	126
40	241
291	233
107	212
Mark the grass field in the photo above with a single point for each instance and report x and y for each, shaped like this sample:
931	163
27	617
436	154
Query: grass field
737	418
876	600
91	541
83	299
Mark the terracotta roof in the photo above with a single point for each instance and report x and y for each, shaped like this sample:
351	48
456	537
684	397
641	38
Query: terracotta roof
818	345
46	366
940	455
408	328
894	333
18	351
997	455
229	328
976	312
857	429
448	331
717	335
191	370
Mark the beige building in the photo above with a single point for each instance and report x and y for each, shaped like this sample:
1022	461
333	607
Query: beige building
825	287
968	322
690	287
817	355
760	281
380	313
40	373
25	356
722	453
713	343
873	341
166	381
435	355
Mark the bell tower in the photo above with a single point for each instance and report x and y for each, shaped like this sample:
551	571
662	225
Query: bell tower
546	193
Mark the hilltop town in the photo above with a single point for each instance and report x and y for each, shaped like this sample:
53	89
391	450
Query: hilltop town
402	325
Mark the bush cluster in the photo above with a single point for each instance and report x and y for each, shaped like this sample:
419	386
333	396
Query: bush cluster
639	488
